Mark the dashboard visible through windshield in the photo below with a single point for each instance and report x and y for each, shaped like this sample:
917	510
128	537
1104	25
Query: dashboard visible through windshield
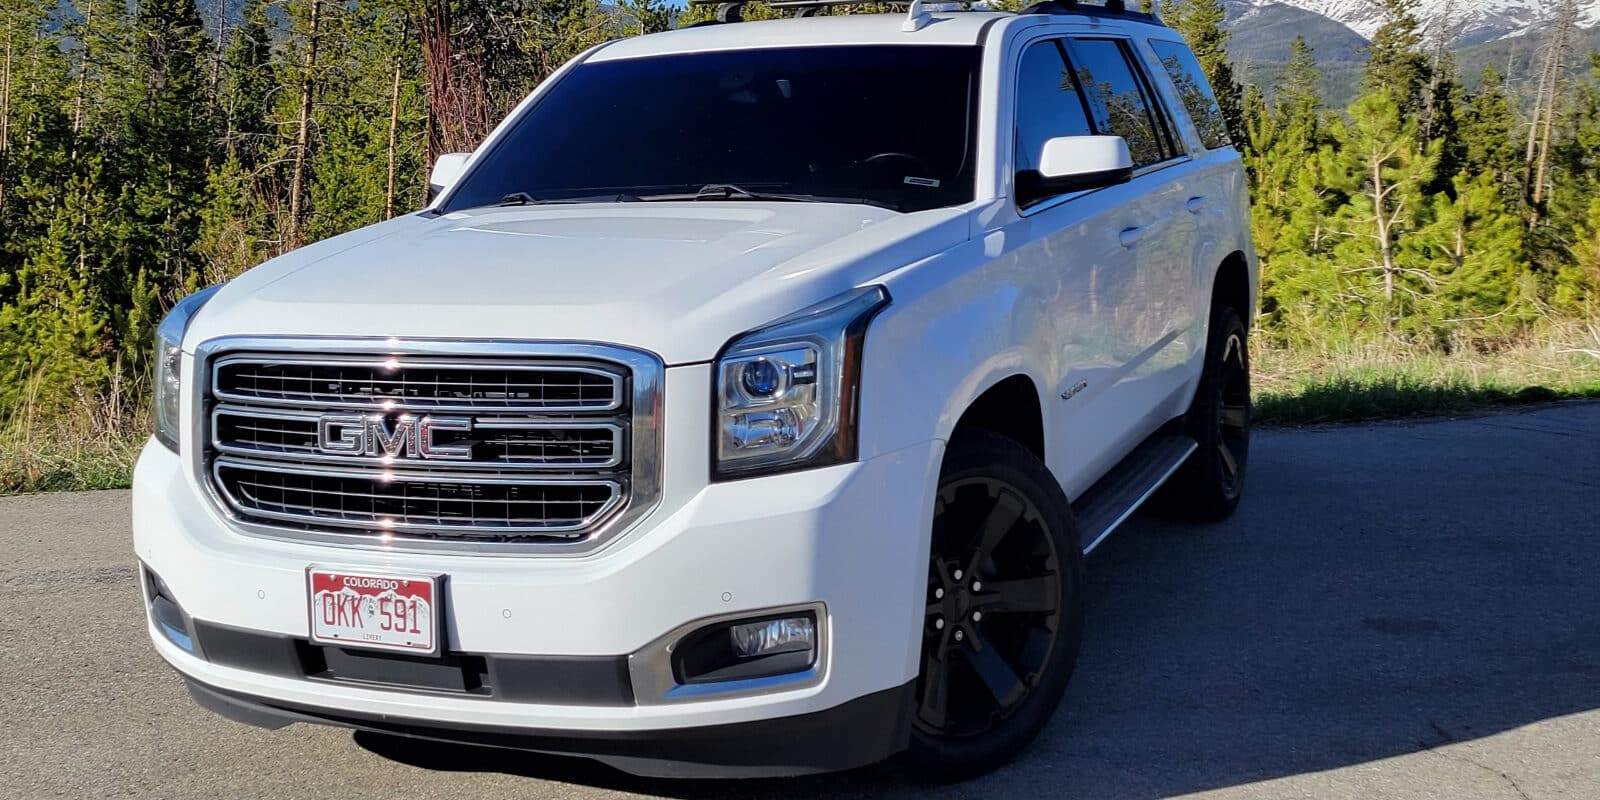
885	125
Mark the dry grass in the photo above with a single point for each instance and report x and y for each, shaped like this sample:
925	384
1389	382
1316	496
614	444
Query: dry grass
88	444
1384	381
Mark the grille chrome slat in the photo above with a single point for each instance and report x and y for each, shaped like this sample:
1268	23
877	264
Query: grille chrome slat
544	442
592	498
361	382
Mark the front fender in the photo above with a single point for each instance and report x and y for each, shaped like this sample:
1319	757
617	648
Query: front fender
958	324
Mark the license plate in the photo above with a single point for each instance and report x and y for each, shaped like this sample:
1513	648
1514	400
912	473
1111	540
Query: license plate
384	612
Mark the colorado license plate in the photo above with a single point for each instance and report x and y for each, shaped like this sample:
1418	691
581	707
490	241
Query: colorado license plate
386	612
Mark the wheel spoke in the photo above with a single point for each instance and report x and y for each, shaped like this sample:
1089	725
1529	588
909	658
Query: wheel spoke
1235	416
997	676
1229	465
1019	596
1001	519
935	689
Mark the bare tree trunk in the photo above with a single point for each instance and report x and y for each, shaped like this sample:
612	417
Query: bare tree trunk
302	137
459	113
5	116
1380	208
394	129
1533	125
216	56
1542	131
83	79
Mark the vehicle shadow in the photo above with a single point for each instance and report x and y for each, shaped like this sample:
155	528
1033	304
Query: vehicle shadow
1383	590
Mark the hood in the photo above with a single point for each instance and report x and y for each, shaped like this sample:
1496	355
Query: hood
676	279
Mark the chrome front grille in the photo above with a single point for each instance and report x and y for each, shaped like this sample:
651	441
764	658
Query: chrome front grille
423	385
524	446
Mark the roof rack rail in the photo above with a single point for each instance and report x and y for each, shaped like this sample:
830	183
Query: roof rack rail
1112	8
733	10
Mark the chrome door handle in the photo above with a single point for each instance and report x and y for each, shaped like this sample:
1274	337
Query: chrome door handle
1130	236
1196	204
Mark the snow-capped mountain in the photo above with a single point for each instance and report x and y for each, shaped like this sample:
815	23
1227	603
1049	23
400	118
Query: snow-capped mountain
1461	22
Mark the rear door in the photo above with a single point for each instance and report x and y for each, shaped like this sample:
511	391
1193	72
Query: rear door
1214	179
1159	241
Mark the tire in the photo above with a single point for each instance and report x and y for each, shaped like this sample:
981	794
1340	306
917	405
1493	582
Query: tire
1209	484
997	657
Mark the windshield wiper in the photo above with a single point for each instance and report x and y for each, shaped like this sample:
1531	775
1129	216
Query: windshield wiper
730	191
525	199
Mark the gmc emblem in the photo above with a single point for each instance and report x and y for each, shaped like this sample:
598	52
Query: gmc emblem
407	436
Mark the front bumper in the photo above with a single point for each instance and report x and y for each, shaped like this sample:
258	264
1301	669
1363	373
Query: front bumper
849	539
856	733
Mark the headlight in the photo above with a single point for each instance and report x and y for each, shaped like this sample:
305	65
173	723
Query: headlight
785	395
169	365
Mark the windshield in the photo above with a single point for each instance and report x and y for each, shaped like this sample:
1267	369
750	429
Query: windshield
889	125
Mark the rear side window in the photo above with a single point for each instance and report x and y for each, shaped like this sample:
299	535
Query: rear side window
1195	92
1048	103
1118	100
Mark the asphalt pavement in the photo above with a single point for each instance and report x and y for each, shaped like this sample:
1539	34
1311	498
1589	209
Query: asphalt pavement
1400	610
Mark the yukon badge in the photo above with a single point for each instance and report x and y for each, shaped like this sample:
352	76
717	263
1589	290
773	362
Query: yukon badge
407	436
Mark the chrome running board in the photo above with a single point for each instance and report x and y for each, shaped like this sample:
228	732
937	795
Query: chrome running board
1116	496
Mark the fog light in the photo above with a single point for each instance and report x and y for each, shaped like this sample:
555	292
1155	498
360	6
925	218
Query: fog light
772	637
783	643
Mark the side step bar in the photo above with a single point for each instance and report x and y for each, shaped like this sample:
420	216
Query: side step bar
1115	497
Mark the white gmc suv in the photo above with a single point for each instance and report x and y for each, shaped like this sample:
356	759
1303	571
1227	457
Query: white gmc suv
743	406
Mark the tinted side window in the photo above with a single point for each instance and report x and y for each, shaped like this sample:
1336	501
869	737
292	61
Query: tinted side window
1048	103
1117	98
1194	91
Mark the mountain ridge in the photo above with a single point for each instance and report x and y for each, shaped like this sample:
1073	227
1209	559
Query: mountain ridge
1460	22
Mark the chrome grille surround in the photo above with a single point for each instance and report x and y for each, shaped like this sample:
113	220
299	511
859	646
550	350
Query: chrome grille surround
562	472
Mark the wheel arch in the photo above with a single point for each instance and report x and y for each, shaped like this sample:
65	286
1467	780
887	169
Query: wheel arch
1010	406
1232	286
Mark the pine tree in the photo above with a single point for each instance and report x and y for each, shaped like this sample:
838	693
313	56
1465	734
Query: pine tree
157	149
1566	240
649	16
53	341
1395	62
1474	245
246	84
1382	176
1488	135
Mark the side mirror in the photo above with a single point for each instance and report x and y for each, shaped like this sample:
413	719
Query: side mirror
1077	164
446	171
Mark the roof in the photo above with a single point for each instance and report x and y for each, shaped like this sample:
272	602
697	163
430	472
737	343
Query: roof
962	27
946	28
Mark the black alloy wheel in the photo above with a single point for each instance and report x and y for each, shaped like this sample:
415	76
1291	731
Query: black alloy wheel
1233	413
1209	485
1004	610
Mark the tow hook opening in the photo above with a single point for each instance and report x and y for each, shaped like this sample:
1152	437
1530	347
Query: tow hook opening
168	616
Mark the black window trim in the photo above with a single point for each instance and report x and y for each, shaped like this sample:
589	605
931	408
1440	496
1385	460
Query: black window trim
1158	102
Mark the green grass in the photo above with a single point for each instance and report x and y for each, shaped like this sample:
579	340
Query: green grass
1346	398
